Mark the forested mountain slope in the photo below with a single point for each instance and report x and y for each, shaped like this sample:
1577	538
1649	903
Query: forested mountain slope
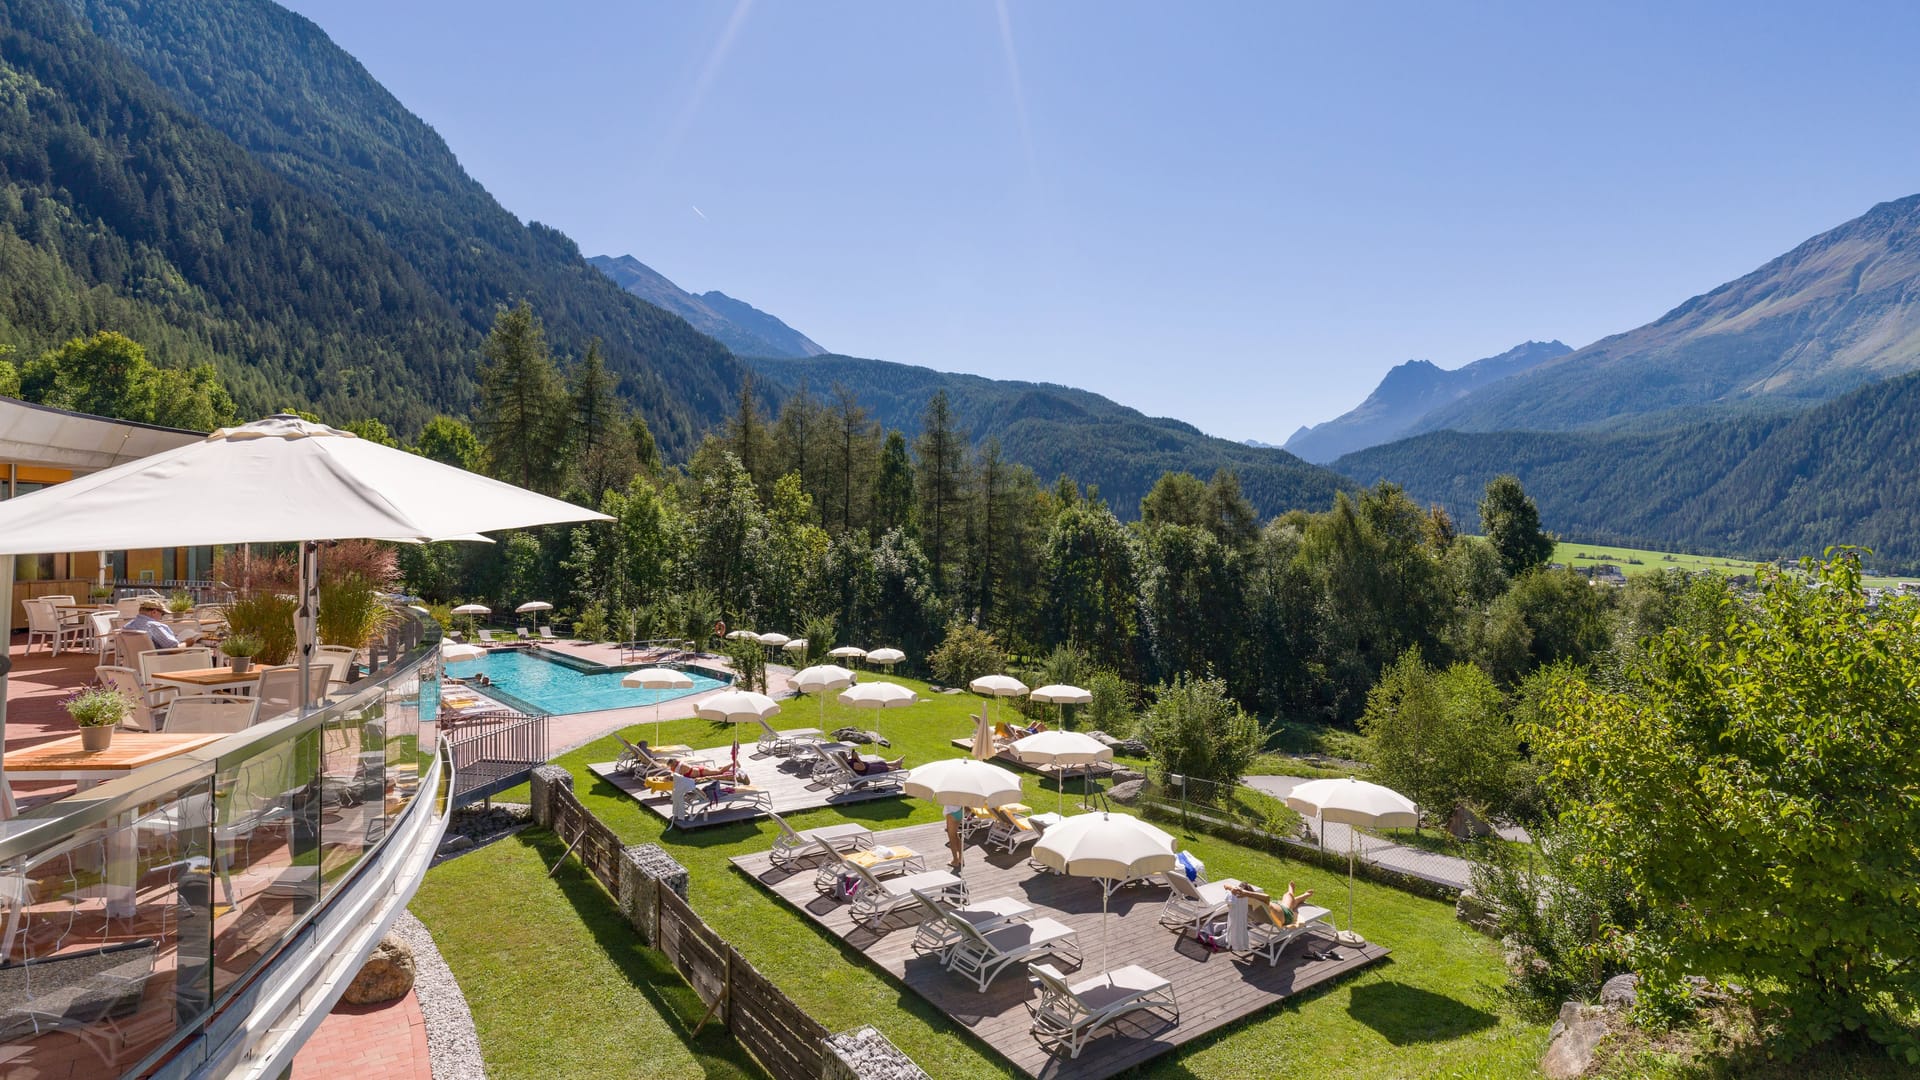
1765	486
1840	310
1057	430
1409	392
738	325
272	82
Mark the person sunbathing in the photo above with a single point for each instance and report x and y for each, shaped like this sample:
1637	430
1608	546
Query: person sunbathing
1286	910
702	772
869	766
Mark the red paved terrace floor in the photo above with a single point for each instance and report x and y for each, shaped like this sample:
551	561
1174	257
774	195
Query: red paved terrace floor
374	1042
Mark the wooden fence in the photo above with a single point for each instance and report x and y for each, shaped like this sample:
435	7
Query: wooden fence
788	1042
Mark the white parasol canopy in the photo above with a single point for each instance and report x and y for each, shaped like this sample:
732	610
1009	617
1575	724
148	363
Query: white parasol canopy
879	695
886	657
1111	847
773	640
820	680
1059	694
452	652
796	645
848	652
963	782
473	609
1060	749
1353	803
994	686
737	707
743	635
657	678
533	605
277	480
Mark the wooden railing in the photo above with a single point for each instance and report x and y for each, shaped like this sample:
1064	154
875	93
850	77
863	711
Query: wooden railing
787	1041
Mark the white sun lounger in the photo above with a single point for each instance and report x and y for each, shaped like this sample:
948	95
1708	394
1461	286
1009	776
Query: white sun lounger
878	897
980	956
935	935
790	845
1068	1016
1191	905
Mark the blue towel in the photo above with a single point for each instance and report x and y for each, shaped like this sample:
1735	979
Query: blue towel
1191	866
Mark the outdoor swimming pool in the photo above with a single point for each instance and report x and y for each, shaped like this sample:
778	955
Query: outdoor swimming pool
533	683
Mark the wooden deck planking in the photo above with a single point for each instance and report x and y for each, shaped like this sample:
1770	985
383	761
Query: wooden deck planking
1213	988
780	776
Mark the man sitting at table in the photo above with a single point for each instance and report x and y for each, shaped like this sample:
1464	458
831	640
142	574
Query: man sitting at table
148	622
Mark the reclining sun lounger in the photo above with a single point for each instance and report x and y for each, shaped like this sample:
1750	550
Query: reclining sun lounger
1190	905
878	897
1070	1015
790	846
1266	938
697	799
935	935
1010	830
980	956
783	743
641	760
833	771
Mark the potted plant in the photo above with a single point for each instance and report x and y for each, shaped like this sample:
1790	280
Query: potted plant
180	603
100	592
97	710
241	649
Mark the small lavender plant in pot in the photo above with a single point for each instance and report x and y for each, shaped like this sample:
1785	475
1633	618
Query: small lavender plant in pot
97	710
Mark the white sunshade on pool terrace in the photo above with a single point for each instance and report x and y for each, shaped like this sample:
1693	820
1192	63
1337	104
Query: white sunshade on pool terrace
282	479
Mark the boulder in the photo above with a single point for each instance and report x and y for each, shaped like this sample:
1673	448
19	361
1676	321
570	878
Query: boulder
387	974
1128	792
1571	1043
856	735
1464	824
1126	776
1478	912
1621	991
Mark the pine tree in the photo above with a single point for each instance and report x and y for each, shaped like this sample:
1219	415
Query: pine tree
523	409
749	440
601	439
942	466
893	487
852	459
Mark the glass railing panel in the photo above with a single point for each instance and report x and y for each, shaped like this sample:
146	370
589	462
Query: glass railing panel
353	785
268	807
105	938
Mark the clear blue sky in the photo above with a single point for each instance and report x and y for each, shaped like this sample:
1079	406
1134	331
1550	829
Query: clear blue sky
1239	215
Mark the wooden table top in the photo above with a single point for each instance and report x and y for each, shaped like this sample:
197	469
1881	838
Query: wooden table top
130	750
212	676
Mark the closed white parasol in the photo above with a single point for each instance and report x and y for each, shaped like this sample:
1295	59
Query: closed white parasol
1353	803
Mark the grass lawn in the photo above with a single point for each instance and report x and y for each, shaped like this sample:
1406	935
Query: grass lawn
1434	1009
1633	561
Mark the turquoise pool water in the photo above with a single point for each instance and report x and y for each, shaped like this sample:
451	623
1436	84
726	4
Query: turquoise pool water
536	684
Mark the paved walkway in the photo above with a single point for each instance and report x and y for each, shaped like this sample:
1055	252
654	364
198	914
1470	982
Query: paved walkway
387	1041
1448	870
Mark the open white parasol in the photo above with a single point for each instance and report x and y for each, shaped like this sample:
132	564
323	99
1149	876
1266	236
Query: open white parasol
657	678
1113	848
1353	803
1060	749
886	657
993	686
821	680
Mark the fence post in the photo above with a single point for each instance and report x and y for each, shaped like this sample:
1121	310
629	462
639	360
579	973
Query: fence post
541	783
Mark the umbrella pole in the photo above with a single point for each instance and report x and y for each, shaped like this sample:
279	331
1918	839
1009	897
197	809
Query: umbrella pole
1349	879
307	619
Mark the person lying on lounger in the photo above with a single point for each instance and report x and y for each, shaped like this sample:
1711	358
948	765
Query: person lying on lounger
703	772
1286	910
868	766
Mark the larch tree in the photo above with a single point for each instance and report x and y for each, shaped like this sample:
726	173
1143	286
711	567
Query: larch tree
523	407
942	468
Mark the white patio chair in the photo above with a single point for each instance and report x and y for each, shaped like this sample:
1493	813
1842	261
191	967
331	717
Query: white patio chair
279	692
332	664
128	645
206	713
1070	1015
45	624
100	625
185	658
790	846
130	606
149	706
980	957
1189	905
935	935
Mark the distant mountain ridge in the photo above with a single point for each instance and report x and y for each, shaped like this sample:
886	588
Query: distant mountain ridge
1410	392
1840	310
741	327
1762	486
1058	430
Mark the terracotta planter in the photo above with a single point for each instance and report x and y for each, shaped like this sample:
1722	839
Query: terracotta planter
96	738
241	664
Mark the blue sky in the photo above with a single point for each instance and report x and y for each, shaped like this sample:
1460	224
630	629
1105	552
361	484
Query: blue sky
1239	215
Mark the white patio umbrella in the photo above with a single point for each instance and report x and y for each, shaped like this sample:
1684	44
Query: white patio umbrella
533	608
993	686
737	707
1060	749
886	657
773	640
282	479
1062	695
796	645
470	611
848	652
453	652
742	635
821	680
657	678
879	695
963	782
1353	803
1110	847
983	738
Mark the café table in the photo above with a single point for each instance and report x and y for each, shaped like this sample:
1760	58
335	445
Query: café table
65	759
210	680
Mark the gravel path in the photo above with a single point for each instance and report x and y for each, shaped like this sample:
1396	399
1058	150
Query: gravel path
453	1049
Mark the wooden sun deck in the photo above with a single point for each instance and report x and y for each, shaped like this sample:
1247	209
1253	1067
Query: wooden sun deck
780	776
1214	989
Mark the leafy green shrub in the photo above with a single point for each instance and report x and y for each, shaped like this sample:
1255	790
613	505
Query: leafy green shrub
1113	704
268	617
819	632
97	706
1560	917
749	662
592	623
1193	728
1440	738
967	653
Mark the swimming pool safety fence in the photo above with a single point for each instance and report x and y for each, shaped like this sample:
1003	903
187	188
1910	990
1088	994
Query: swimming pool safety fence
495	757
650	888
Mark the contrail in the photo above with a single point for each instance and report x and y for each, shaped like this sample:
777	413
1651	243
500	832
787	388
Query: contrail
708	72
696	210
1013	78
